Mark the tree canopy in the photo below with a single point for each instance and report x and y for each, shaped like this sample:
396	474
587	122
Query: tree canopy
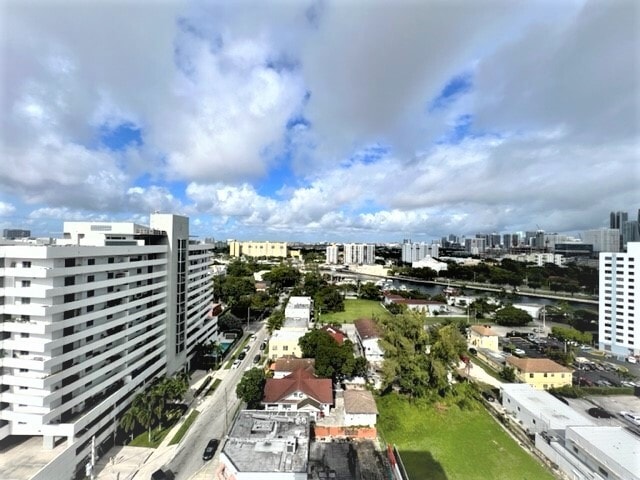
511	316
332	360
282	276
251	387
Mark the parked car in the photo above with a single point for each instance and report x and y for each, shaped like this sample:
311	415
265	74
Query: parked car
242	355
632	359
598	412
257	358
519	352
236	364
210	449
253	337
632	417
263	345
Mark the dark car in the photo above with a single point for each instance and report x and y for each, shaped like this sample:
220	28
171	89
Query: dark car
263	345
242	355
257	358
598	412
162	475
211	448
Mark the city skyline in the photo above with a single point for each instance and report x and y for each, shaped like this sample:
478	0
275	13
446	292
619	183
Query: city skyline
321	121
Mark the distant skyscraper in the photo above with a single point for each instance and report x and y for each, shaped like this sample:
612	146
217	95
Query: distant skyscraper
414	252
617	219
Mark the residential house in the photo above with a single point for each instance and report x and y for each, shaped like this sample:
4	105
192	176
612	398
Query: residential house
481	336
368	335
540	373
354	416
284	366
301	391
417	305
284	342
338	335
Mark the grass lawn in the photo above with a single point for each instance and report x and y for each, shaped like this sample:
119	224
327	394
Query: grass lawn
355	309
184	427
453	444
157	436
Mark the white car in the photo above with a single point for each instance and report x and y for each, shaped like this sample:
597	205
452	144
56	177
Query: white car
519	351
632	417
236	364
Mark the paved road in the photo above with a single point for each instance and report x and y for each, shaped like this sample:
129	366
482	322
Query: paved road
212	422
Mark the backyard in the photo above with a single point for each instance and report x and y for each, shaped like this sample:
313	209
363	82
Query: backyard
446	443
355	309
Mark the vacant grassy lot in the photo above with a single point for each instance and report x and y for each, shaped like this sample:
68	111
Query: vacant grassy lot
447	443
355	309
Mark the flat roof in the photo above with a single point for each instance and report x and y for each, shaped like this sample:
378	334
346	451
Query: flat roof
261	441
547	407
615	443
286	334
23	457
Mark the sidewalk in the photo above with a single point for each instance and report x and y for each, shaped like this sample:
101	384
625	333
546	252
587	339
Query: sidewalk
126	463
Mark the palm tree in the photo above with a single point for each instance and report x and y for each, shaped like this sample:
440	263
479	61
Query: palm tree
144	411
129	420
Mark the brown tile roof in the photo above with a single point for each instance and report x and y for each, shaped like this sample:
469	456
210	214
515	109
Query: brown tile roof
537	365
484	331
367	328
359	401
291	364
336	334
320	389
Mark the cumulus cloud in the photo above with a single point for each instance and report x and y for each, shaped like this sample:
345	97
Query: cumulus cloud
6	209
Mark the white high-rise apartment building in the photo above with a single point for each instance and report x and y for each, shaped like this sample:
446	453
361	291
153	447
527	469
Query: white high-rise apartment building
603	240
89	321
414	252
619	289
332	254
359	254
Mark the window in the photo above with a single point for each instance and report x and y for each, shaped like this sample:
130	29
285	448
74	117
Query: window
285	348
91	261
274	347
545	375
90	293
24	335
25	300
89	308
110	260
26	264
26	283
531	375
91	278
69	262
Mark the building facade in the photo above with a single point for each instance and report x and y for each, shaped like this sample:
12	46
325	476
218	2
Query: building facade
540	373
603	240
619	288
359	254
332	255
258	249
90	321
414	252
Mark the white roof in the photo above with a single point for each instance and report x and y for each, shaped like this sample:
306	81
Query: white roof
611	445
548	408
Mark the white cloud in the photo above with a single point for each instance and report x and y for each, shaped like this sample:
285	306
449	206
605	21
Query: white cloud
6	209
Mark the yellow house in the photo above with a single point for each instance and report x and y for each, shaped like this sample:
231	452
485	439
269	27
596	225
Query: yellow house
483	337
285	342
540	373
258	249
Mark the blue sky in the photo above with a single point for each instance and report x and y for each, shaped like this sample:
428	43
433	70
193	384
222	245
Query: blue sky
328	121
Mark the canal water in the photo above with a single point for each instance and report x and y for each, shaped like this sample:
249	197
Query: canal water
432	289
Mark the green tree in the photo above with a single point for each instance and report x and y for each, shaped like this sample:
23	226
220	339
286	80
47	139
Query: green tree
313	282
233	289
330	299
508	374
511	316
251	387
370	291
275	321
283	276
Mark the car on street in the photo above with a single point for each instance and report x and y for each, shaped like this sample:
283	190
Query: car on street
210	449
519	352
236	364
598	412
257	358
253	337
242	355
263	345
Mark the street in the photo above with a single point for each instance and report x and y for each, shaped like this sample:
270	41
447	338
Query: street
212	422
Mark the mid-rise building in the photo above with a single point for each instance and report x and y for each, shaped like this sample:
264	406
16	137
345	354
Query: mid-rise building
258	249
359	254
619	288
475	246
91	320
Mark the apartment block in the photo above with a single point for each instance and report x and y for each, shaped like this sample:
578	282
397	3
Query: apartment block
619	288
359	254
258	249
332	254
90	320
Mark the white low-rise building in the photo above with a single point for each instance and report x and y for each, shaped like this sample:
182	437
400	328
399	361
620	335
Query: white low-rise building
368	336
90	321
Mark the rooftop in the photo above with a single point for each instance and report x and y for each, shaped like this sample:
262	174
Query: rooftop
320	389
556	414
338	335
615	444
537	365
484	331
290	364
285	334
359	401
367	328
260	441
